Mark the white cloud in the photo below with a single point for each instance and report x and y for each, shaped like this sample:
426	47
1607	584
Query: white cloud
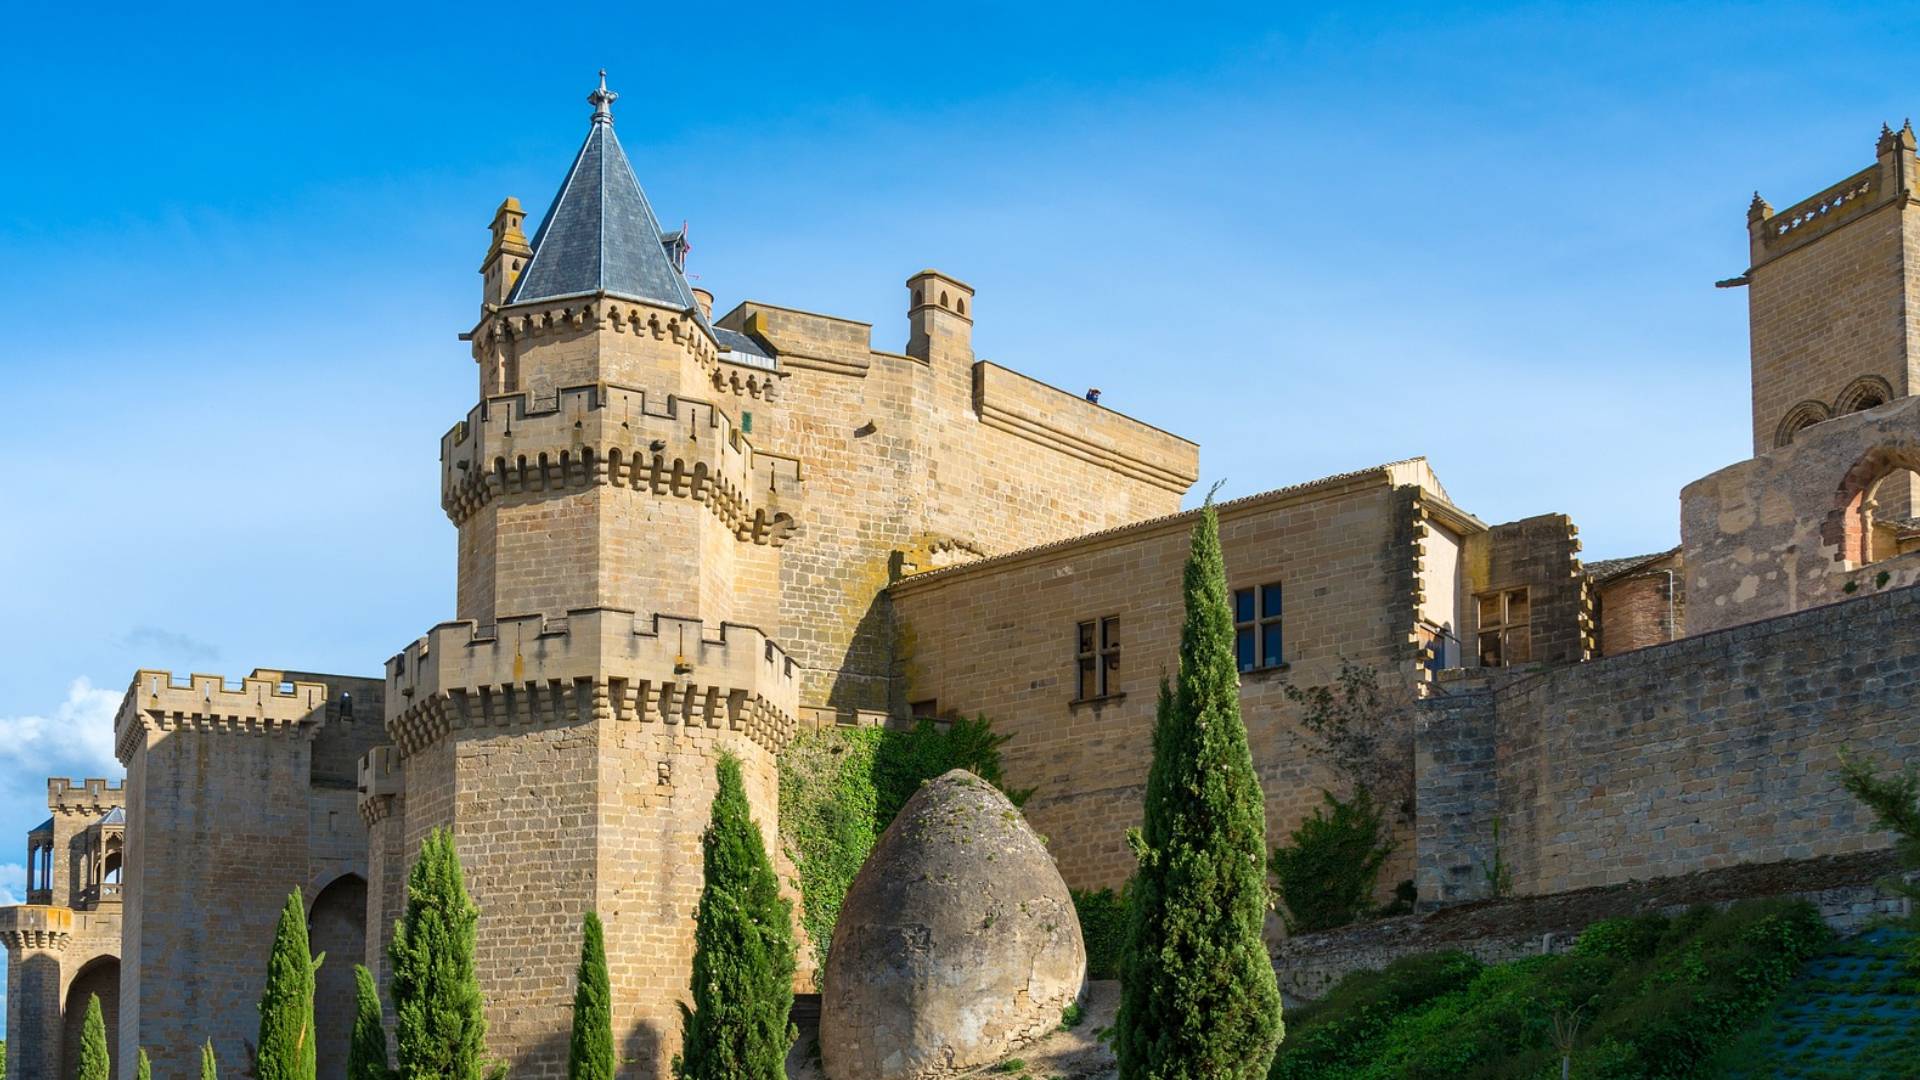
13	885
76	741
168	644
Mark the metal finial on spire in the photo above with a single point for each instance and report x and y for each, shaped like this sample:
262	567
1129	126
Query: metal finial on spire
601	99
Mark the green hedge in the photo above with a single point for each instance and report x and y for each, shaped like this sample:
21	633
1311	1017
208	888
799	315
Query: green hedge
1103	926
1327	868
840	788
1656	998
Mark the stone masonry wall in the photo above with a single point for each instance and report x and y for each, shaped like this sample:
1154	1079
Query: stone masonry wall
235	797
998	638
905	454
1541	554
1702	753
551	821
1780	532
217	838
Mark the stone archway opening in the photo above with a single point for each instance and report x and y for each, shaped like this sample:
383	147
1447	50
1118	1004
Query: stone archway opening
1874	506
100	976
336	926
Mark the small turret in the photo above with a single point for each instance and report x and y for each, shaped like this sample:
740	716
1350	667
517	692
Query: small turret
939	317
506	254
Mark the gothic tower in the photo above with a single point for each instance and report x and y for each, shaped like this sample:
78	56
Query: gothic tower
619	561
1834	296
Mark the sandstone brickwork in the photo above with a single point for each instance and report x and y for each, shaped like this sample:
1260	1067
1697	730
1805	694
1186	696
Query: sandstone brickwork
236	796
1707	752
1802	525
999	638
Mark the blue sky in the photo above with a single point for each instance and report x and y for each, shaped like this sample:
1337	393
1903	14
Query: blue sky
237	245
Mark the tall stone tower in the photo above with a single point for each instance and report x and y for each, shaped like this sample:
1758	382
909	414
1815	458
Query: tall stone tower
1834	297
619	568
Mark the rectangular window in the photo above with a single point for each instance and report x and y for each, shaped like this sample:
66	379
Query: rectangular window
924	710
1097	657
1506	628
1257	640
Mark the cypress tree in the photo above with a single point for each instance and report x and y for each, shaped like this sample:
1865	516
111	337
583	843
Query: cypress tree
440	1028
367	1052
93	1043
739	1027
208	1070
287	1043
1198	996
145	1069
590	1057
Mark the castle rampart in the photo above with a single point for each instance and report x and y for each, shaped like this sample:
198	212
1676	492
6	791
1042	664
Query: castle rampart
1706	752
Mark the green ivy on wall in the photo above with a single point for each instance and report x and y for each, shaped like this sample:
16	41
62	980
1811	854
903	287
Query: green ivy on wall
840	788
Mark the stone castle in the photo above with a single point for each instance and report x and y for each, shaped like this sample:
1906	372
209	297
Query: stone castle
680	535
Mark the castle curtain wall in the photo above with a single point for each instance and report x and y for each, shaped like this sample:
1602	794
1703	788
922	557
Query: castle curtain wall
1698	754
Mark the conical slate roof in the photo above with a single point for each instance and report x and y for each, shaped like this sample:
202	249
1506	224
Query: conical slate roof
600	235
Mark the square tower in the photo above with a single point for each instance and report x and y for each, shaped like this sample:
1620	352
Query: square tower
1832	297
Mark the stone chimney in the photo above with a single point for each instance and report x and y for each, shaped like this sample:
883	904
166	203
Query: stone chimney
507	254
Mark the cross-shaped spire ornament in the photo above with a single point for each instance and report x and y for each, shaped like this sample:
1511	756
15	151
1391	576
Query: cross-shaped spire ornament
601	99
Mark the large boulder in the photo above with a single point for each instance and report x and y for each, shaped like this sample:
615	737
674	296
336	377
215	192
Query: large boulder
956	943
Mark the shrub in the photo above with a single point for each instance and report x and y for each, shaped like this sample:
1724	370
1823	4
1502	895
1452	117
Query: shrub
1328	868
1103	926
367	1049
208	1069
1343	1027
590	1054
440	1025
738	1027
1658	998
287	1042
841	787
94	1064
1198	996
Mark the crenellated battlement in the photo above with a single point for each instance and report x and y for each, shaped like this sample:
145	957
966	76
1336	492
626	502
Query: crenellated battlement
91	797
587	435
265	704
513	328
594	664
